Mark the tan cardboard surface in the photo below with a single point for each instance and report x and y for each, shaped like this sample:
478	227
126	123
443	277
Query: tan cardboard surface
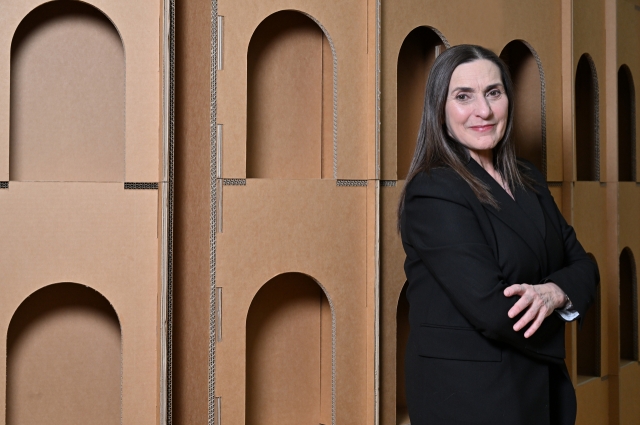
399	18
628	26
191	247
285	99
94	234
346	25
589	37
590	222
629	390
64	358
67	109
138	24
593	401
304	226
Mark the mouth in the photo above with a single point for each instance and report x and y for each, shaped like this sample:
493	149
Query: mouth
482	128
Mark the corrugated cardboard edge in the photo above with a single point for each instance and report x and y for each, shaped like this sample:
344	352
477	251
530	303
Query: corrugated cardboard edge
213	225
166	263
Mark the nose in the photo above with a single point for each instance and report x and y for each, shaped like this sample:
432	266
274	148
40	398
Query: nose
483	107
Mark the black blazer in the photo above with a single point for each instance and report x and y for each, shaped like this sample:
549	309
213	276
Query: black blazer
464	362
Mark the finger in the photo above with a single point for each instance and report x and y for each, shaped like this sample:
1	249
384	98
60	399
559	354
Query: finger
530	314
535	325
525	300
515	289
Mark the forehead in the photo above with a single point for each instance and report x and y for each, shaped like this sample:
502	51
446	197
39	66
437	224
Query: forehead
477	74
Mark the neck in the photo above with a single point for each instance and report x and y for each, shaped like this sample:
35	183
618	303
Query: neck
484	158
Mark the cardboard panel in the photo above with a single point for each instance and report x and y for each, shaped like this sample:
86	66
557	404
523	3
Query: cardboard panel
628	306
345	26
192	214
402	336
138	24
416	56
592	401
587	120
589	345
394	324
63	344
67	96
529	102
626	125
590	223
285	98
629	393
284	352
628	44
271	227
102	236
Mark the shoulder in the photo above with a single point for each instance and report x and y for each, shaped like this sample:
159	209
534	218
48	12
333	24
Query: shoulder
441	182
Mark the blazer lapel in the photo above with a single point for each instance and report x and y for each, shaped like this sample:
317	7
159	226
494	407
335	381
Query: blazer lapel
524	217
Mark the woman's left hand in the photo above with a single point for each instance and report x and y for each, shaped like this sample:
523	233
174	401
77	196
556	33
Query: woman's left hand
541	300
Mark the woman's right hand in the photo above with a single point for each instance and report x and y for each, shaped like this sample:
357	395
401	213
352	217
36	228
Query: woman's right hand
538	300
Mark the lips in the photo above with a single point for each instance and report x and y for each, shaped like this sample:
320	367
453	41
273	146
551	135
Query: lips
482	128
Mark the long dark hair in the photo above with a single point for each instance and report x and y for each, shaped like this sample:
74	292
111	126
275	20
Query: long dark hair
435	148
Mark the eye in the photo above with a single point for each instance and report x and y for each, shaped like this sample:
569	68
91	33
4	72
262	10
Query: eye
462	96
494	93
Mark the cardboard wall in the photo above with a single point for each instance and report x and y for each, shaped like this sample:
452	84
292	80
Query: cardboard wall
529	131
415	58
67	96
285	99
80	115
626	125
64	345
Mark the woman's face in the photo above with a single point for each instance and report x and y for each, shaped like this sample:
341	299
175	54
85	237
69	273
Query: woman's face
477	106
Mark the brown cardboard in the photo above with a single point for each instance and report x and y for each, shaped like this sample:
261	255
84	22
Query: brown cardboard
67	120
345	27
138	25
64	344
93	234
191	226
285	98
529	131
311	227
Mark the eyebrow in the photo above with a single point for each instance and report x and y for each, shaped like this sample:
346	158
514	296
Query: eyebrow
469	89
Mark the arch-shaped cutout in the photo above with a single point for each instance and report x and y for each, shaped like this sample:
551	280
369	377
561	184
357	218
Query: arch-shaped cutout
529	130
587	122
628	306
67	96
588	338
626	125
417	54
402	336
64	345
291	109
290	342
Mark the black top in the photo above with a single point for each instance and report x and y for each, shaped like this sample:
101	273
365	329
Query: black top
465	363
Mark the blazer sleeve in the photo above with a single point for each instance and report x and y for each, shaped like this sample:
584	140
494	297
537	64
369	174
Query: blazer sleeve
442	225
579	277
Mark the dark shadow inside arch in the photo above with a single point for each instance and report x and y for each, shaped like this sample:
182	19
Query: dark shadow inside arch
417	54
67	103
290	99
529	131
402	336
289	353
628	306
64	358
587	121
626	125
588	338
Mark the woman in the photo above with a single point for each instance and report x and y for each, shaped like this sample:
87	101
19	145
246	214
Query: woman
494	270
